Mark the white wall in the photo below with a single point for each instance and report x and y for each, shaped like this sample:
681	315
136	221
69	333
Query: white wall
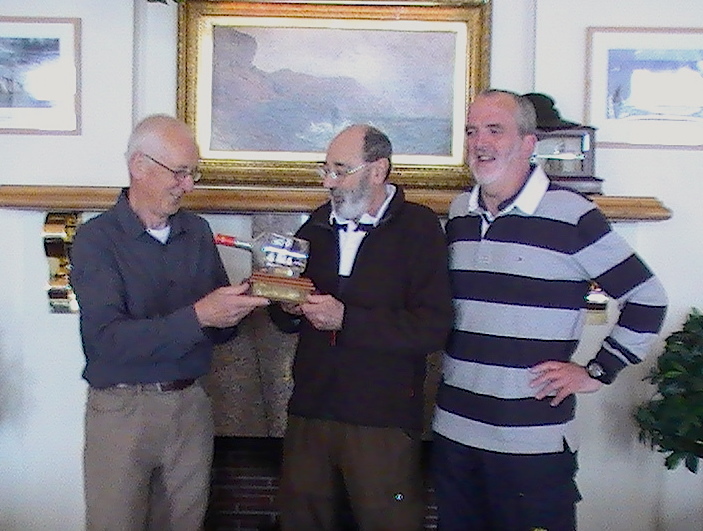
41	392
129	64
625	485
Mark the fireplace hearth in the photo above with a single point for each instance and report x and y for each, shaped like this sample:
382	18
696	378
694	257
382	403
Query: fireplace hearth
245	483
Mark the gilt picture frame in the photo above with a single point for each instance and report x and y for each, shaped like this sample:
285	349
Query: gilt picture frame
40	75
644	87
266	86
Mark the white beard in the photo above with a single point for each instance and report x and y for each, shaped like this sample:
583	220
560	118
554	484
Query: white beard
499	168
351	204
483	180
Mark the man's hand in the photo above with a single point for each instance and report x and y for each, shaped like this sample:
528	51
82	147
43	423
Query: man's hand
292	308
561	378
226	306
324	312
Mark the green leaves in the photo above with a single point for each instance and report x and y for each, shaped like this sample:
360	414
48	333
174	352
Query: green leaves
672	420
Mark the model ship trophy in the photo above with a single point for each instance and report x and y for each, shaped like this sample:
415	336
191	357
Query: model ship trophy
278	263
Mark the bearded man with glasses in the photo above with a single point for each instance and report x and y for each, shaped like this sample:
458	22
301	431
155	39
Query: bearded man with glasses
379	264
154	297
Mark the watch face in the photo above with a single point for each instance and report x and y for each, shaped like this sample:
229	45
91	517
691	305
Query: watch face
595	370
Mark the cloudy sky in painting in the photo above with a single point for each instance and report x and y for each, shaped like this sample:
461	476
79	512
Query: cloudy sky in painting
409	70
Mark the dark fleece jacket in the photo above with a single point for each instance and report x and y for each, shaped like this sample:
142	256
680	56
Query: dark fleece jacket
397	311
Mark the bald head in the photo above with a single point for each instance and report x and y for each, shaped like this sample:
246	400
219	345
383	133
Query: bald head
372	143
156	130
162	157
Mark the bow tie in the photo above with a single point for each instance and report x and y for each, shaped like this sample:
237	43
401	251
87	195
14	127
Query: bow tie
363	227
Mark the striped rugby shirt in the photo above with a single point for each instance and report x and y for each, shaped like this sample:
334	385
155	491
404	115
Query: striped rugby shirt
519	283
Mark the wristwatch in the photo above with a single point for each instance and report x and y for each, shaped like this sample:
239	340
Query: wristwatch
596	371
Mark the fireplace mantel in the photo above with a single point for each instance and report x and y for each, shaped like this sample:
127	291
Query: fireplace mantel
242	199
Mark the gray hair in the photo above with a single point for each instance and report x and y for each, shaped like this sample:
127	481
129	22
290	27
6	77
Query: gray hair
525	117
377	146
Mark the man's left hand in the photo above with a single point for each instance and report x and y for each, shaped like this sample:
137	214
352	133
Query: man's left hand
324	312
561	380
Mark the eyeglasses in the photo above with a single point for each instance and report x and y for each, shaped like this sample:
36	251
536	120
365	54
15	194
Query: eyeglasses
178	174
323	171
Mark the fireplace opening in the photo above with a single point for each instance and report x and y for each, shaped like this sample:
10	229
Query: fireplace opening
245	478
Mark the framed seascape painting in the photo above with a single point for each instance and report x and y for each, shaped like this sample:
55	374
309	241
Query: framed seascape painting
645	87
40	75
266	86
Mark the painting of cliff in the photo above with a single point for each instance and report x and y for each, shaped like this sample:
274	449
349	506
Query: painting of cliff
292	89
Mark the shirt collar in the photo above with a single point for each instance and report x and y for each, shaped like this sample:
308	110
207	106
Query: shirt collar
527	199
134	226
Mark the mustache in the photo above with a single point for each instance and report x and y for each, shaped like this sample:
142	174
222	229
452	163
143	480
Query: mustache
338	195
481	152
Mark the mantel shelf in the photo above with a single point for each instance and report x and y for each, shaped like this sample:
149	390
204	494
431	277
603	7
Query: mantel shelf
236	199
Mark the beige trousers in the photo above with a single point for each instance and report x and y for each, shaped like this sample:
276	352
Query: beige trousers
147	459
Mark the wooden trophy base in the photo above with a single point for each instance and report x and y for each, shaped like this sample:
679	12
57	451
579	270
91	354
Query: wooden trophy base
279	288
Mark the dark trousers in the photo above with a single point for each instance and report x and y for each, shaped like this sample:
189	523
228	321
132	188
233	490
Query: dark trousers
477	490
378	468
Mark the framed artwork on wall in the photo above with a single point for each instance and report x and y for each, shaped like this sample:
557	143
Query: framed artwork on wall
644	87
266	86
40	75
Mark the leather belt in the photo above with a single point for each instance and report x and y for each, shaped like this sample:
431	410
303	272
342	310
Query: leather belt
162	387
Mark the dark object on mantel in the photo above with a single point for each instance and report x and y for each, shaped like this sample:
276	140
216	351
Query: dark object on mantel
565	150
548	117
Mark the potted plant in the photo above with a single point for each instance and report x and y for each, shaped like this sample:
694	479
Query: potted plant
672	420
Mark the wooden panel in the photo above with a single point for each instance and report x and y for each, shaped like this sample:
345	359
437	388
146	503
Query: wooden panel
231	199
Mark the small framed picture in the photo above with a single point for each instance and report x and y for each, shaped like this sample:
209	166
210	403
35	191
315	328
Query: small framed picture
40	75
644	87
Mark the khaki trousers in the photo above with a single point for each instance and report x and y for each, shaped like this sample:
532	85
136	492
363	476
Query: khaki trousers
147	459
379	468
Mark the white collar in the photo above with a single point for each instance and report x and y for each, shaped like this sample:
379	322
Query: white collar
527	199
161	234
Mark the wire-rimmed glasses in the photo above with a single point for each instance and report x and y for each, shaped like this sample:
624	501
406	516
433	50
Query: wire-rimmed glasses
339	173
180	174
